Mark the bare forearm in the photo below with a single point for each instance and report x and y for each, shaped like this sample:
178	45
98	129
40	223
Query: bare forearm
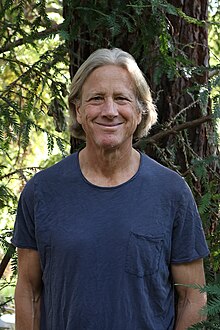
190	300
27	310
189	313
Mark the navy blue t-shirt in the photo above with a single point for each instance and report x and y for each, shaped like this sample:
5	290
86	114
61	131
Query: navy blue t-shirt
105	252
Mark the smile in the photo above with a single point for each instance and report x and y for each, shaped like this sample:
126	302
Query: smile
109	125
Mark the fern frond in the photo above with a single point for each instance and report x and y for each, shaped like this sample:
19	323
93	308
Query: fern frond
25	136
205	203
213	306
50	143
208	325
212	289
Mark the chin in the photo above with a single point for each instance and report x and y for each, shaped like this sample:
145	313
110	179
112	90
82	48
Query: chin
108	143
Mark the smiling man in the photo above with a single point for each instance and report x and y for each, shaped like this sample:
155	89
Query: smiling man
108	115
107	109
104	235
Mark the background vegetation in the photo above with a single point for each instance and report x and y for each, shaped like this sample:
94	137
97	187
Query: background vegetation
42	43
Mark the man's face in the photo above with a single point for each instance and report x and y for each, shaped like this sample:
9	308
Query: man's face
107	111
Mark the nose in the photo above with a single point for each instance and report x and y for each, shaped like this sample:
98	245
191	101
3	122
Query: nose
109	108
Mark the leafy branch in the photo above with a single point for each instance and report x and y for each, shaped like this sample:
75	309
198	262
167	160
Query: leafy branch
31	38
157	137
20	170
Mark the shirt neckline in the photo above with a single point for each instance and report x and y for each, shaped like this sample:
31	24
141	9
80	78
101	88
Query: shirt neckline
107	187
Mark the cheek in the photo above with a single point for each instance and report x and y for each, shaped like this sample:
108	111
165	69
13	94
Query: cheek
82	116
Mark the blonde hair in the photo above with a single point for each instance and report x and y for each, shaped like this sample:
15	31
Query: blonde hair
123	59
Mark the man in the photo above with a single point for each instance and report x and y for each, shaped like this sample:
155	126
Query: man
105	234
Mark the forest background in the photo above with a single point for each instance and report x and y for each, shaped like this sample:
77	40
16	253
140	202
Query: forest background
176	44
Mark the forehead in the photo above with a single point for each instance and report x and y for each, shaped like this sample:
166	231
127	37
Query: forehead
109	77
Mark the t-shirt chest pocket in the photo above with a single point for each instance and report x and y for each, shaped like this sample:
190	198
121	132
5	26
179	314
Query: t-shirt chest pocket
143	254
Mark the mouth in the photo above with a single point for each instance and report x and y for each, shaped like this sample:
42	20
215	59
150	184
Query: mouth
109	124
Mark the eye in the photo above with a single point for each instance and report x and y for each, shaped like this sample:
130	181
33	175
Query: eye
96	99
122	99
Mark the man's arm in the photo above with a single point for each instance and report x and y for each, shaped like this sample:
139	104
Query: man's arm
28	290
190	301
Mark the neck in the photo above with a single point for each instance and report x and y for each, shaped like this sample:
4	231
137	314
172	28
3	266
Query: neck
109	167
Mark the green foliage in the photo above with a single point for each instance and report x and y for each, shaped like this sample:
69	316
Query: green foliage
5	196
212	309
33	89
213	306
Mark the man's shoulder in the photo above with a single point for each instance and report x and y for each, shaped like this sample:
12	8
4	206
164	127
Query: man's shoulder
157	168
161	176
55	173
60	168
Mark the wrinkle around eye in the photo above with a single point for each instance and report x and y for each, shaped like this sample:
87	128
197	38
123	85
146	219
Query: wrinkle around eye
95	99
122	100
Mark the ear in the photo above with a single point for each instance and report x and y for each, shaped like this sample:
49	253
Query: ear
78	112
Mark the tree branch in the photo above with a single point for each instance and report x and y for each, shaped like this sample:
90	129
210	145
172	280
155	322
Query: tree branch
6	259
20	170
156	137
9	46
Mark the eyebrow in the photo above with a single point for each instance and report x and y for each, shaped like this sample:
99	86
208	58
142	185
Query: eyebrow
98	92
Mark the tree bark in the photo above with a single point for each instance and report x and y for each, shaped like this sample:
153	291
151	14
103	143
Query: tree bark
178	94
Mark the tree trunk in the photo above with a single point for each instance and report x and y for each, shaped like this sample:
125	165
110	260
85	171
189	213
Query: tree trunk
181	93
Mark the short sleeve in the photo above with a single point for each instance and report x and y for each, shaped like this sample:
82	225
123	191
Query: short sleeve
24	228
188	239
